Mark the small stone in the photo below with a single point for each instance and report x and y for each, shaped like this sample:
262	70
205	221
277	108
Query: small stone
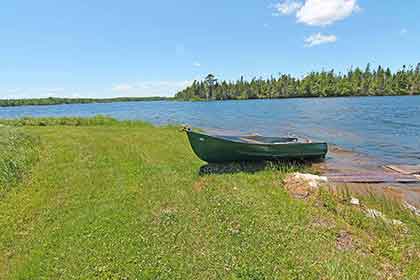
344	240
372	213
397	222
354	201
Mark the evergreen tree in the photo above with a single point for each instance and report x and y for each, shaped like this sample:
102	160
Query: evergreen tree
355	82
210	81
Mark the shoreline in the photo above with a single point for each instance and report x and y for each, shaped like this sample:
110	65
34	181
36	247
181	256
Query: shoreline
74	101
340	160
51	101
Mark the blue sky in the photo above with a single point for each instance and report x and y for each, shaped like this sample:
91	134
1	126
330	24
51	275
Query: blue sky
142	48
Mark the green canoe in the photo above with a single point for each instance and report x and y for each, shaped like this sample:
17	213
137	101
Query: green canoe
216	149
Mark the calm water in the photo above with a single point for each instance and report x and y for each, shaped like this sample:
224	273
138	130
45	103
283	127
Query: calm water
387	128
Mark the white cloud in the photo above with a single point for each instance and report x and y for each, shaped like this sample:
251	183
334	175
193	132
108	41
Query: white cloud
14	90
41	92
150	88
135	89
325	12
122	88
54	90
197	64
11	93
287	7
318	39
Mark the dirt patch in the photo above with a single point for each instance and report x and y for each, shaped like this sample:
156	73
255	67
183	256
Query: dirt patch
200	184
344	241
322	223
393	192
388	271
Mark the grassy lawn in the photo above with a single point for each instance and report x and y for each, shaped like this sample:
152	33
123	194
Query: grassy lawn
125	201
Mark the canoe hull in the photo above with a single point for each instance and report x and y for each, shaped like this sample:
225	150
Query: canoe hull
216	150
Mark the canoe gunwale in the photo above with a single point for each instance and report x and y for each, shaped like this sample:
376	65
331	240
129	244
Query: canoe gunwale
239	141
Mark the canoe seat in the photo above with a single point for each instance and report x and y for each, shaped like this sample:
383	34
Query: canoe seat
252	141
268	140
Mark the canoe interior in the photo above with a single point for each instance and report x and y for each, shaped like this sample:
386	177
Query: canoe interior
256	139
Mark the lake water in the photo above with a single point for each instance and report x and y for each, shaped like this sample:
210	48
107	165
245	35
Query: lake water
387	128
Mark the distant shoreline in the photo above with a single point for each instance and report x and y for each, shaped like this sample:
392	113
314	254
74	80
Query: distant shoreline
59	100
62	101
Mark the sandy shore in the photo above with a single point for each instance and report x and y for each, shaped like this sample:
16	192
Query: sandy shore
344	161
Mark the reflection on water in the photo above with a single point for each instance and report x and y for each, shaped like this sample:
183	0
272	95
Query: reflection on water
383	127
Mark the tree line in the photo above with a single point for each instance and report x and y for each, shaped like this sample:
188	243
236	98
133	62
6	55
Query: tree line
355	82
57	100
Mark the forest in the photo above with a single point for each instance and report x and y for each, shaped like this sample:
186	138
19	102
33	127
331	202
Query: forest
355	82
57	100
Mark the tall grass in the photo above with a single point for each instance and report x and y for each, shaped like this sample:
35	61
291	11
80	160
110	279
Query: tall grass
18	151
55	121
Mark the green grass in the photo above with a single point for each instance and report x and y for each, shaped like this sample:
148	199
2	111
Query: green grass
125	201
18	151
66	121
